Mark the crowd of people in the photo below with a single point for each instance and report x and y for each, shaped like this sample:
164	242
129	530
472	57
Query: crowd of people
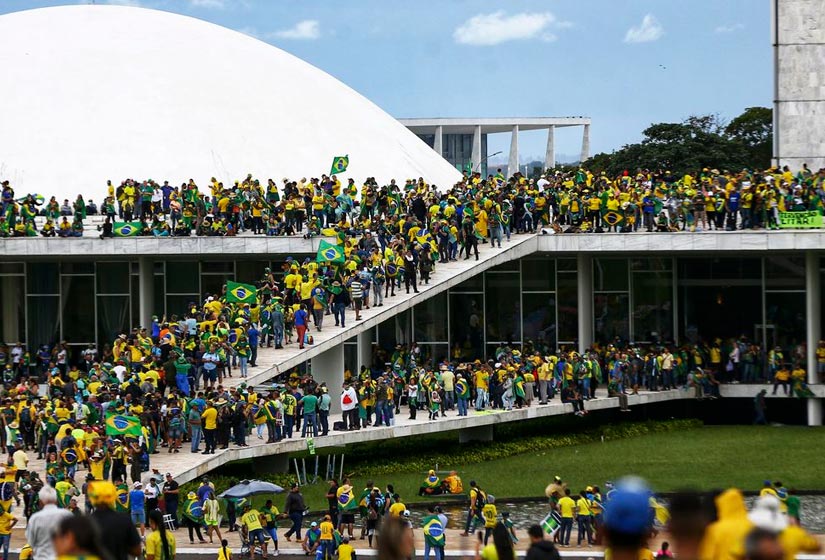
575	200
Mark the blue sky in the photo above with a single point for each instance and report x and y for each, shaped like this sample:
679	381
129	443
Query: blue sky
625	63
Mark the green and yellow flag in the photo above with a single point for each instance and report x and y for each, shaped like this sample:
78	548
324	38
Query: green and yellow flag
330	253
339	164
122	425
240	293
127	229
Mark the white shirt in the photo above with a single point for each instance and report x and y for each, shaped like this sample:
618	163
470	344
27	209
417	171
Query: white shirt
353	400
40	530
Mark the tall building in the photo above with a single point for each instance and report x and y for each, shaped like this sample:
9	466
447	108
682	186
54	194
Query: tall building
798	37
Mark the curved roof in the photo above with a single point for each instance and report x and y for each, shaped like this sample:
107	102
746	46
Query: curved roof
110	92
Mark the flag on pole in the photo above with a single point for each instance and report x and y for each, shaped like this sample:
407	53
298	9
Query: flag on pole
339	164
127	229
122	425
240	293
551	523
330	253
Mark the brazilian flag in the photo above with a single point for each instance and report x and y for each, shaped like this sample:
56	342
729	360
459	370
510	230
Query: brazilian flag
330	253
127	229
122	425
240	293
339	164
433	530
612	218
346	501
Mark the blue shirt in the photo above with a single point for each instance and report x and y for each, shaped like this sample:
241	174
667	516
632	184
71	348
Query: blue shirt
136	500
301	318
252	334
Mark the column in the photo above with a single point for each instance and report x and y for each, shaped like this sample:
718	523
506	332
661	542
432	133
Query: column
476	159
146	289
328	367
585	299
438	144
365	348
550	154
512	163
813	330
585	155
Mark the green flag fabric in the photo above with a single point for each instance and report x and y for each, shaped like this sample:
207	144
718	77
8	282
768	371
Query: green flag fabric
330	253
122	425
240	293
127	229
339	164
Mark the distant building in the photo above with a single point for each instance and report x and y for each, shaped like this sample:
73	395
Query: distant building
463	142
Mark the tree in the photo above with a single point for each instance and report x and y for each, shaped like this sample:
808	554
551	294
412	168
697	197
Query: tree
754	129
698	142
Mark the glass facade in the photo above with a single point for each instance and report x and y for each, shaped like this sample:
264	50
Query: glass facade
530	303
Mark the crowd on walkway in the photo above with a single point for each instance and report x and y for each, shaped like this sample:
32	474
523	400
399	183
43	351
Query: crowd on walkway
577	200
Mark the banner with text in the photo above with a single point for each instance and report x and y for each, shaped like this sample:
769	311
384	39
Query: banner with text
790	220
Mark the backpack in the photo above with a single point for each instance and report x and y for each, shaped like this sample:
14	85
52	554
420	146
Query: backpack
26	416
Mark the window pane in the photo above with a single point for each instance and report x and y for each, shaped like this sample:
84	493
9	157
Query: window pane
250	272
721	268
78	268
43	321
474	284
538	274
182	277
568	303
708	312
112	318
430	355
653	263
610	313
652	306
786	311
567	265
213	283
540	321
12	300
43	278
466	324
609	275
113	278
179	304
78	309
431	320
157	302
503	308
12	268
509	266
785	273
218	266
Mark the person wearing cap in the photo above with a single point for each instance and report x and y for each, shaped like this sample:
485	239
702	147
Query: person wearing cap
137	506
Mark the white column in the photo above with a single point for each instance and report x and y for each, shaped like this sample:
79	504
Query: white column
585	299
550	155
438	144
476	163
585	155
512	163
813	330
365	349
328	368
146	290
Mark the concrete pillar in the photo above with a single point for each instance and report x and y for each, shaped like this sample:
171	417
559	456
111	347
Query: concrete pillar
813	329
585	300
512	163
146	290
476	163
328	367
438	144
479	433
585	155
550	154
365	349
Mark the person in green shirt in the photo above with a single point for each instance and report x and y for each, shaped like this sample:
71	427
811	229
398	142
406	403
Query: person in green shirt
310	402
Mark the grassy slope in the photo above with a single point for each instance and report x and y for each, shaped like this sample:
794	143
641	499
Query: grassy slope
706	458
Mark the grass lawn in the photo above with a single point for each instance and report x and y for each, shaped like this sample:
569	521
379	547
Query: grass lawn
704	458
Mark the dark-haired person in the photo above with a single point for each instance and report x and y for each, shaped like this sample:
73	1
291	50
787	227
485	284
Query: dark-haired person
540	548
77	537
160	543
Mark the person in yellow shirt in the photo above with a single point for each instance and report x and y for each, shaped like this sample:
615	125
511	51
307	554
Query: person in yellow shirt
251	519
326	539
160	543
345	550
7	523
782	377
224	552
567	510
489	514
584	515
209	419
482	379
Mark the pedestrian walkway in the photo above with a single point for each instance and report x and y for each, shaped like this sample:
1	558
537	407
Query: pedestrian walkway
271	362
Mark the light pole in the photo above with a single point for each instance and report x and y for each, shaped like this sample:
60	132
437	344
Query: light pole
478	165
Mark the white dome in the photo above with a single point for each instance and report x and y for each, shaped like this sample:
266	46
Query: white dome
92	93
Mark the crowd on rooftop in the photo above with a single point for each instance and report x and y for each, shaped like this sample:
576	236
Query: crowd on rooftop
577	200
